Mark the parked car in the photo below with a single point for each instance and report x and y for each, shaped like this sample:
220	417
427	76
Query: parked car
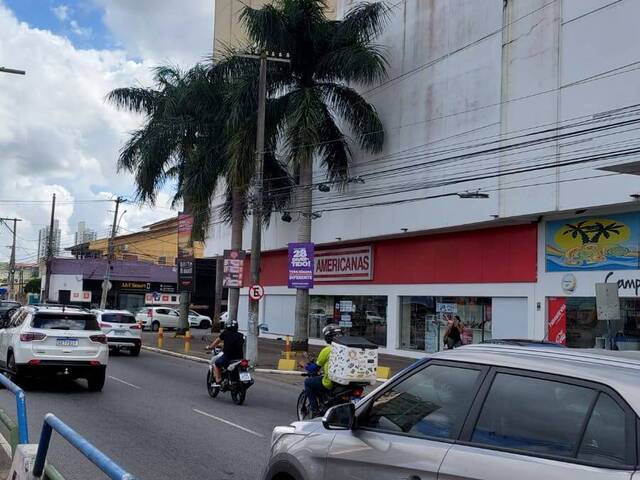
156	317
481	412
523	342
199	321
7	308
122	330
48	340
224	318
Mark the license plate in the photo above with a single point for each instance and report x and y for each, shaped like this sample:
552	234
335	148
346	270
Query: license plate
67	342
119	332
245	377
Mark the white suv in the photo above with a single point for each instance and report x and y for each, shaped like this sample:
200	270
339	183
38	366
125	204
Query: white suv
42	340
121	328
156	317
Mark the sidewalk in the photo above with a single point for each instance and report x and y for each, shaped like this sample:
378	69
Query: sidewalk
269	351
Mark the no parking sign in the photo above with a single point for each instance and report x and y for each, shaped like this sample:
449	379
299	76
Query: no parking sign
256	292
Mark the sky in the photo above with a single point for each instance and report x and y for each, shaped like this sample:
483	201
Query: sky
57	133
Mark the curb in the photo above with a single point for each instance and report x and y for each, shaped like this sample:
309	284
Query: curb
204	360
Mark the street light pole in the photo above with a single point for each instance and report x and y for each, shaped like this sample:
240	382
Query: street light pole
47	278
258	186
12	260
107	275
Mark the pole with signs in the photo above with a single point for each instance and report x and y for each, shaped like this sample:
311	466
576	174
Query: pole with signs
185	268
608	307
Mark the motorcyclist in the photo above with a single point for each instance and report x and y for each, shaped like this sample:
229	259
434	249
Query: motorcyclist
315	387
233	343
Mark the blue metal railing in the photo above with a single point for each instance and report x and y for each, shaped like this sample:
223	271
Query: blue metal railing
21	408
104	463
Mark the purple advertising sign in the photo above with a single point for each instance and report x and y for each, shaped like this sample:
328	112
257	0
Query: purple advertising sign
301	265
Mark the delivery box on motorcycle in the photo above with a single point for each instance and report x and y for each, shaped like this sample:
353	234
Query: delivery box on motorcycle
353	359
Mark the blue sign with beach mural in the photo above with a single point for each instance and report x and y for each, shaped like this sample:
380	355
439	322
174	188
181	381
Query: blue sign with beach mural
607	242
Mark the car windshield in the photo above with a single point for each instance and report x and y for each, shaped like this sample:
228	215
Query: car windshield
62	321
191	312
118	318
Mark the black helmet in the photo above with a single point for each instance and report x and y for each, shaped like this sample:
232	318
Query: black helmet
232	326
330	332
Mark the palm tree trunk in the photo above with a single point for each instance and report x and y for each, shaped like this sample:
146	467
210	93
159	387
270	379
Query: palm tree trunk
305	198
237	224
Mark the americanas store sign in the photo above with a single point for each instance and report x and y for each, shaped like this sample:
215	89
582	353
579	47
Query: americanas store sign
355	263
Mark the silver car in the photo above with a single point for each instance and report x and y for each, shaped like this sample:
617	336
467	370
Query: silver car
481	412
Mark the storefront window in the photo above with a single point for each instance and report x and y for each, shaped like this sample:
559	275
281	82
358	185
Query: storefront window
360	316
424	320
584	330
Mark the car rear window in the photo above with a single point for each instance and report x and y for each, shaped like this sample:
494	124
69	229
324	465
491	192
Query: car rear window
118	318
63	321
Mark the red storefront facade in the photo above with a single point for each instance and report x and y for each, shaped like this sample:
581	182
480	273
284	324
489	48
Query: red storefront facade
416	283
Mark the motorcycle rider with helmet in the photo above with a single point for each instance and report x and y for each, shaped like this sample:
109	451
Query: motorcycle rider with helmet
315	387
232	349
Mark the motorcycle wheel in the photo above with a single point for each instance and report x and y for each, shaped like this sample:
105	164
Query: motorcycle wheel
303	408
213	391
239	395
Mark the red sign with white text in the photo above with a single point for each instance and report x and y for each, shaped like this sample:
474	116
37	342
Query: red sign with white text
557	320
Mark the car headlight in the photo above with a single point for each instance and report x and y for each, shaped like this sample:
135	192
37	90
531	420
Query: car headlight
279	432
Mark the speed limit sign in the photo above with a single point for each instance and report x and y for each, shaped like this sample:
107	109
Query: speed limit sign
256	292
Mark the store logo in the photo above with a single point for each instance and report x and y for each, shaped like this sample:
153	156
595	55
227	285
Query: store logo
627	283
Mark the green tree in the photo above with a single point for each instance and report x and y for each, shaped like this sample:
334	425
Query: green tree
185	139
313	102
33	285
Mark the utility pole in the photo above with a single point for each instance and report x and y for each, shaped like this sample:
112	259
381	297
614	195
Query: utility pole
256	231
47	278
12	261
106	284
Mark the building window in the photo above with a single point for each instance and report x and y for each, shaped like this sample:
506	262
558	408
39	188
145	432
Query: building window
162	260
584	330
361	316
424	321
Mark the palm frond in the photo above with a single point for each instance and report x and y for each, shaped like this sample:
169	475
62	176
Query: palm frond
364	23
360	115
364	64
135	99
266	27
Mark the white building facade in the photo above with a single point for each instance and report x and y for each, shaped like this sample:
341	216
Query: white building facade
534	103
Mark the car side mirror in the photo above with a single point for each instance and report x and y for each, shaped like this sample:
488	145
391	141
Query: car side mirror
340	417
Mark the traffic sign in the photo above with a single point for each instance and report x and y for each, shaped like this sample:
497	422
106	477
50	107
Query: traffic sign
256	292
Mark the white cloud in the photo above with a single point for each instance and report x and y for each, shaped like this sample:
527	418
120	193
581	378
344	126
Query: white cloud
61	12
78	30
57	134
170	31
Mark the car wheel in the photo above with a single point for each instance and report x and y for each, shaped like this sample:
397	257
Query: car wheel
134	351
155	326
13	374
96	381
205	324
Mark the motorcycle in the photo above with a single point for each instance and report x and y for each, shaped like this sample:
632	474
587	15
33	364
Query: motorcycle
236	379
339	394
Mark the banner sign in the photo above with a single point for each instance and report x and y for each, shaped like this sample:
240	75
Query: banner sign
81	297
300	265
158	298
185	275
185	253
355	263
233	268
557	320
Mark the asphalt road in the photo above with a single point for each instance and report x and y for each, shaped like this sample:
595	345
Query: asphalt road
155	418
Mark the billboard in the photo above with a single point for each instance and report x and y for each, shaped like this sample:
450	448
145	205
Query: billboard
300	265
608	242
185	253
233	268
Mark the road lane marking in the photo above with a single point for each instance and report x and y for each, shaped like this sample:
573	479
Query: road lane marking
235	425
126	383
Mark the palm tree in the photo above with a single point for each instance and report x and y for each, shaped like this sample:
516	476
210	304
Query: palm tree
578	230
605	231
313	95
189	119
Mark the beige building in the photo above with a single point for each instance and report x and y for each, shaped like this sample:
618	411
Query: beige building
227	28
